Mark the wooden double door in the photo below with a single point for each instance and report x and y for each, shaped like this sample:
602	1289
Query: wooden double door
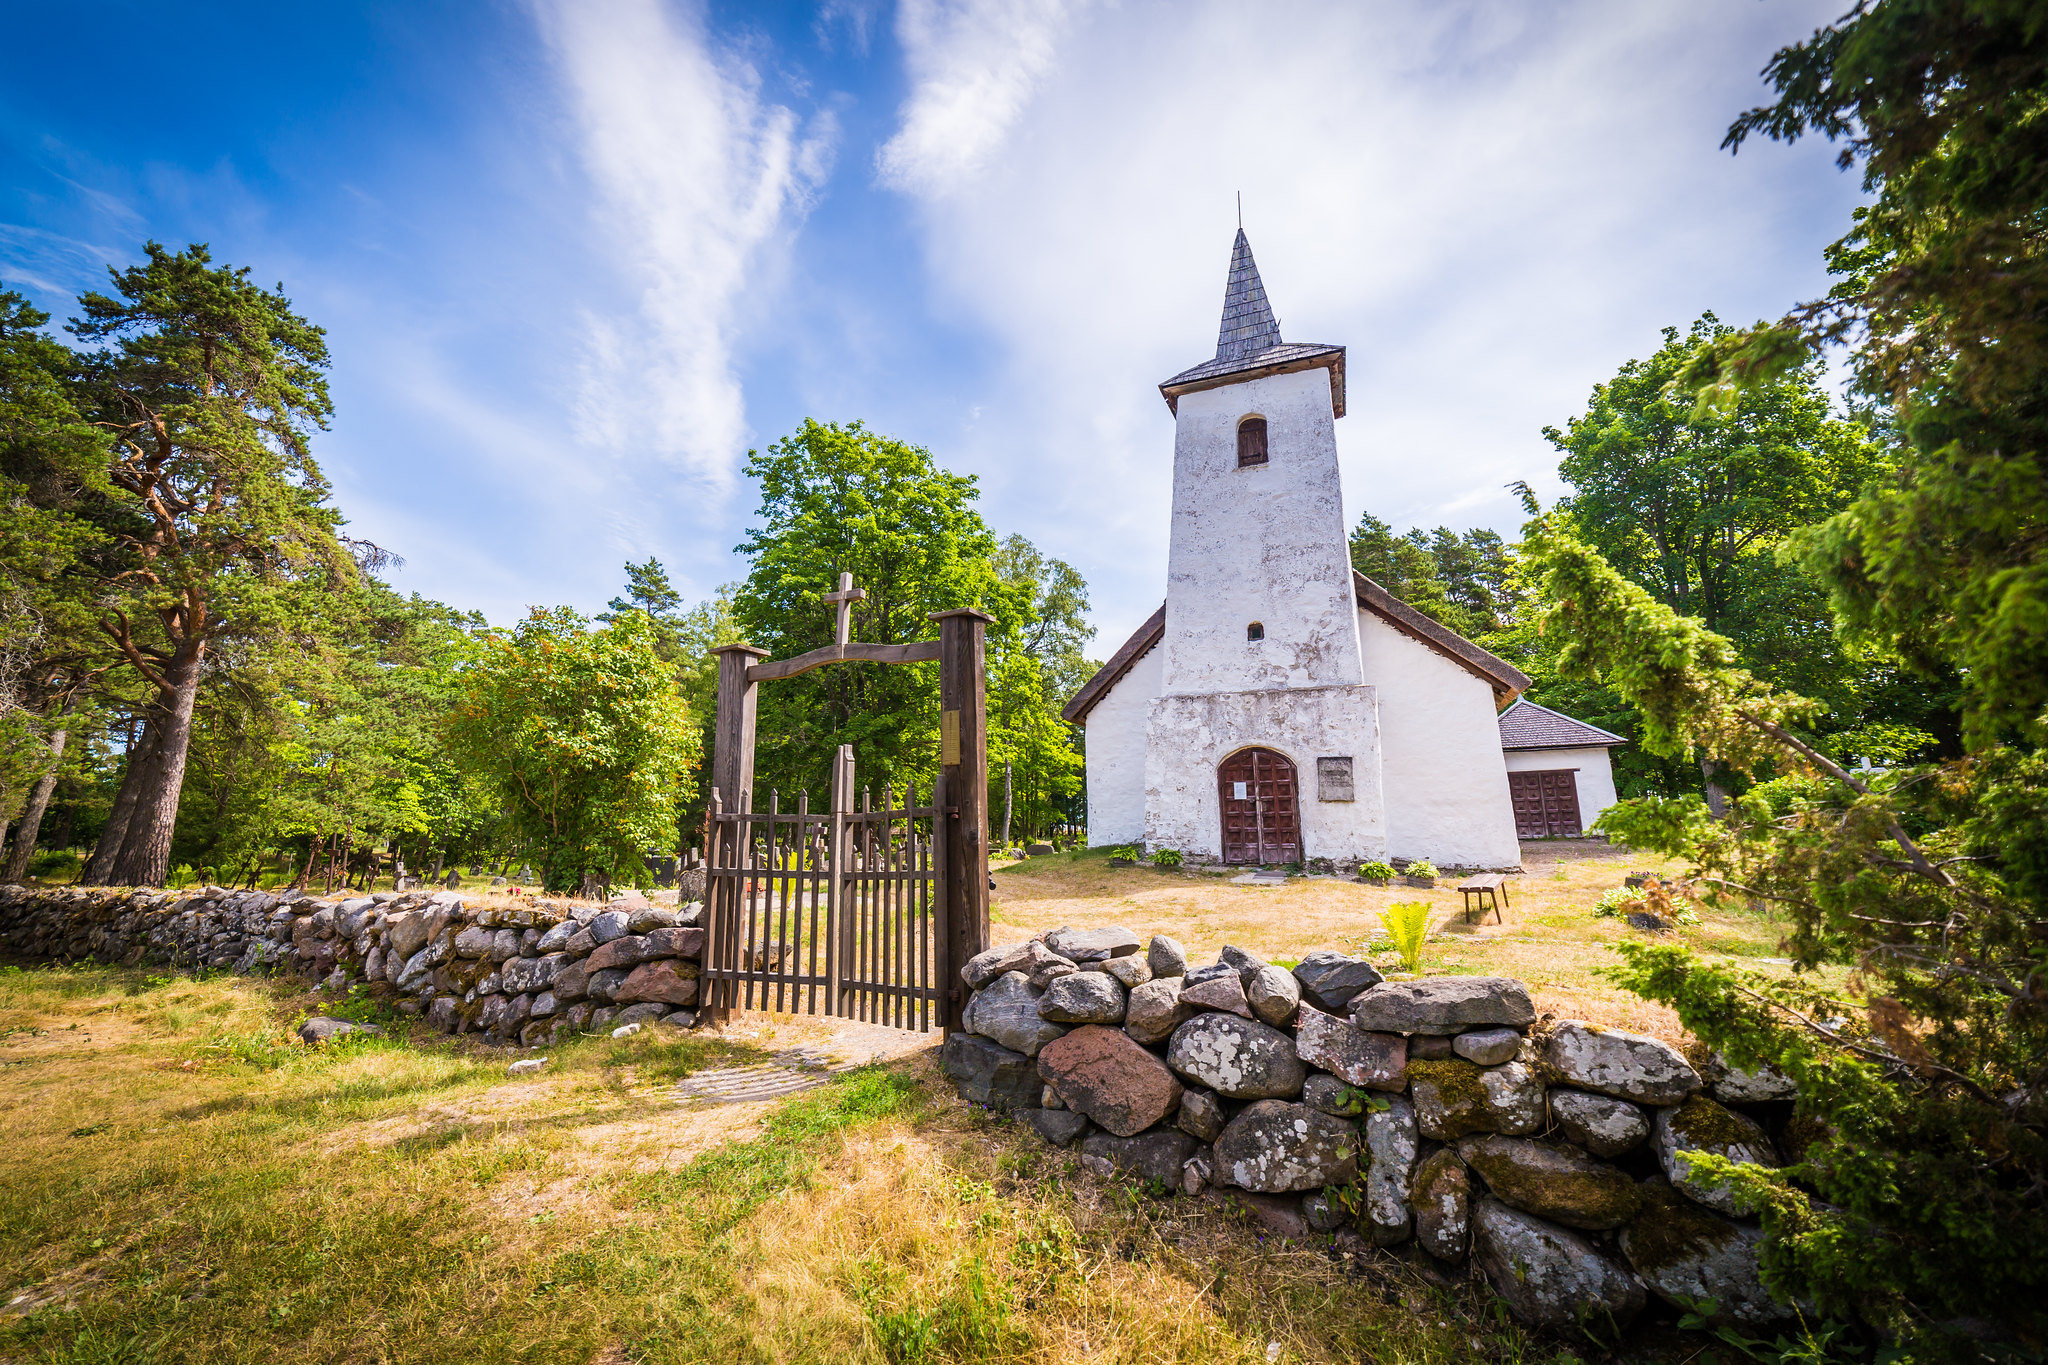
1546	803
1261	800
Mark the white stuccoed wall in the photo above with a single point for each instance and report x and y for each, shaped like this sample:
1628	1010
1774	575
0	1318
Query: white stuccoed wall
1262	544
1116	755
1595	775
1188	737
1442	771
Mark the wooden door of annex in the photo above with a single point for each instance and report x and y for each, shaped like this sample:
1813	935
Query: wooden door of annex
1260	796
1546	803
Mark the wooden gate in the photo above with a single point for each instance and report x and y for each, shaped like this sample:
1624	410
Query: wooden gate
1259	794
1546	803
865	910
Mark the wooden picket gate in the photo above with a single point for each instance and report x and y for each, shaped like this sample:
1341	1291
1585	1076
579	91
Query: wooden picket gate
837	912
862	910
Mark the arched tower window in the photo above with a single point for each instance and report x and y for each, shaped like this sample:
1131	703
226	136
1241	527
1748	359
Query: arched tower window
1255	631
1251	442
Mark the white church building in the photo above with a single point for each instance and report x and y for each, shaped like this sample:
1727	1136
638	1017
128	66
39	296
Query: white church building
1281	706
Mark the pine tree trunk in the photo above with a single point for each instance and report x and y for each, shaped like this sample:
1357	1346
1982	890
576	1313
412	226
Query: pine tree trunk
1006	805
145	858
1717	795
141	757
31	822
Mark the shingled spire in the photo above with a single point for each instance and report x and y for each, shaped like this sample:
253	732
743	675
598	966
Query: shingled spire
1248	325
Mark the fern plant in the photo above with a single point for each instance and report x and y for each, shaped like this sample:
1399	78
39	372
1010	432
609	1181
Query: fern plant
1407	925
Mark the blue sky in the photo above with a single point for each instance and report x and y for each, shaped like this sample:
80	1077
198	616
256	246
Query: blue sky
575	256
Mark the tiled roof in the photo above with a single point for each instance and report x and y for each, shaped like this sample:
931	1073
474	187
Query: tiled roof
1248	325
1525	725
1248	340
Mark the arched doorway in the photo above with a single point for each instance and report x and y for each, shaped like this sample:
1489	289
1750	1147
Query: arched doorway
1261	809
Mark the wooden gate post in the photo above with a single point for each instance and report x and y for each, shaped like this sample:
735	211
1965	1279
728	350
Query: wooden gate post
732	784
963	764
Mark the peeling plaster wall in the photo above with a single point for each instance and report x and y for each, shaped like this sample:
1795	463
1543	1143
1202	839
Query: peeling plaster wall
1261	544
1445	779
1187	737
1116	755
1595	775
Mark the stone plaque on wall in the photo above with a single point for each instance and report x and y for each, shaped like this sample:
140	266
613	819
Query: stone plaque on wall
1333	779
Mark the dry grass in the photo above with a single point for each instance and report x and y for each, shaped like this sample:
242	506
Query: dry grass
183	1182
1550	938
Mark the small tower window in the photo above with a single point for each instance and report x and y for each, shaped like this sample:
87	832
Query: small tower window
1251	441
1255	631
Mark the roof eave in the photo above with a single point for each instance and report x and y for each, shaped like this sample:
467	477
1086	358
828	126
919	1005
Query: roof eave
1507	681
1331	359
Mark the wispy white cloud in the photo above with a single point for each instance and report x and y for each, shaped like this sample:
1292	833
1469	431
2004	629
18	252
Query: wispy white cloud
1493	205
973	66
697	177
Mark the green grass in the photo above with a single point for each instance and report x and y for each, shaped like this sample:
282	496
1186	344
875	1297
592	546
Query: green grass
194	1185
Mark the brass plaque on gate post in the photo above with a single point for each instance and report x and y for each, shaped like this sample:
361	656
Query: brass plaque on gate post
949	738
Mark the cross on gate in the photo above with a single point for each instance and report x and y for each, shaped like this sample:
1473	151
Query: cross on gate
842	602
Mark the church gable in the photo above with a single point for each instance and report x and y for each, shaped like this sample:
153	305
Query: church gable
1507	681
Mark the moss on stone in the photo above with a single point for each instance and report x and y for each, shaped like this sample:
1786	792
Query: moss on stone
1704	1124
1671	1229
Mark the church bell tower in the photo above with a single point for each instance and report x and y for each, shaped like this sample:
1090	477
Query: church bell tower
1259	592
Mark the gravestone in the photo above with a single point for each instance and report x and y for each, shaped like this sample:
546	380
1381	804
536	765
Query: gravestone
662	869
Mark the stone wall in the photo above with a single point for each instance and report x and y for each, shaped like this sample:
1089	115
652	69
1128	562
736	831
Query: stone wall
521	974
1543	1155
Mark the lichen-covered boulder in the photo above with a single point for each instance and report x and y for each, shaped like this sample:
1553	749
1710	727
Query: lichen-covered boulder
610	924
1454	1098
1377	1061
674	940
1440	1192
1701	1125
1027	958
1390	1137
1224	992
982	1071
1100	1072
1761	1086
1488	1046
1551	1276
533	973
1156	1155
1443	1005
1165	956
1603	1125
1274	1147
1154	1010
475	941
1083	998
1274	995
1330	980
1627	1066
1685	1254
1553	1180
600	986
1006	1010
1092	945
1241	1058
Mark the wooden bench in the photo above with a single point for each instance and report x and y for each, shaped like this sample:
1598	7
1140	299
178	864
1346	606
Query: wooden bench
1488	890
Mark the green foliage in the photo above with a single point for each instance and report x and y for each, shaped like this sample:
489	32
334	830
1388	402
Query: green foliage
1407	925
585	739
1166	857
1422	867
1927	881
1464	581
1939	282
1376	871
842	499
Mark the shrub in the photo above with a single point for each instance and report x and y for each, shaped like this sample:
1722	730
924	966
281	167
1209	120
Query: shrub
1422	868
1125	851
1407	925
1376	871
1166	857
